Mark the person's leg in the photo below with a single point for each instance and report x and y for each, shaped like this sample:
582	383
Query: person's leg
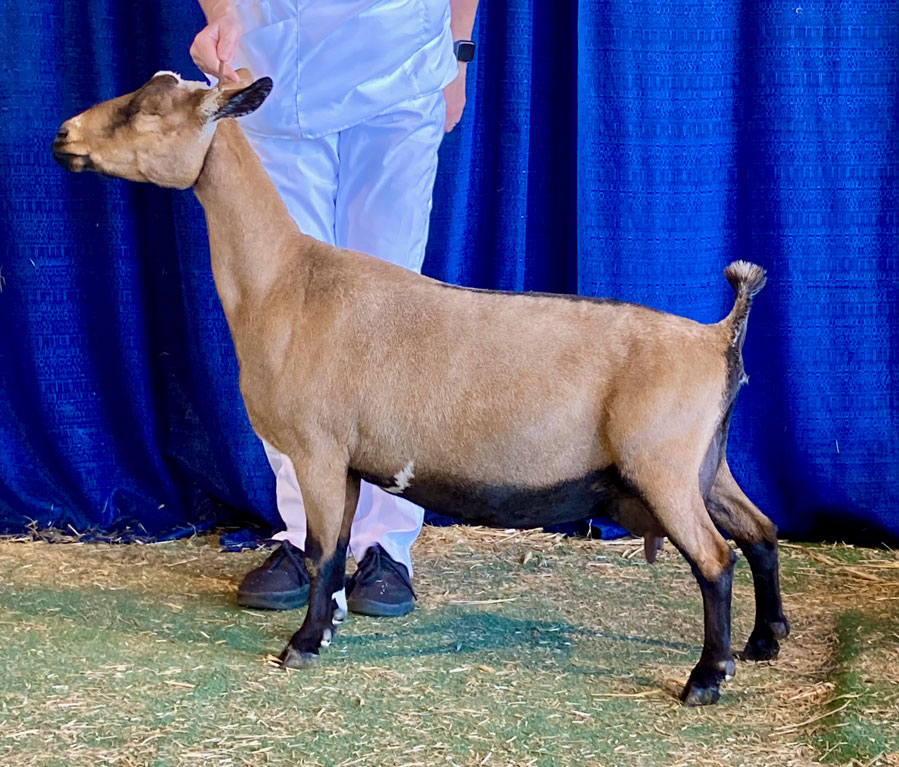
386	175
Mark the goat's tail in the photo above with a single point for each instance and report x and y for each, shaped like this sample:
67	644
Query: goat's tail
746	279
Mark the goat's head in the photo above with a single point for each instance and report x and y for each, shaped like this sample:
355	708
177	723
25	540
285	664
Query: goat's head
159	133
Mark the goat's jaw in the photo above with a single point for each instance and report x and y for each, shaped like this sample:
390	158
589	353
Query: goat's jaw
72	162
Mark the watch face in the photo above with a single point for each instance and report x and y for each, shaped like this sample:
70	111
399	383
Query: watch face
464	50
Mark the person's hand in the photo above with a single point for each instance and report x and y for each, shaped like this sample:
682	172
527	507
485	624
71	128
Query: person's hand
217	42
454	95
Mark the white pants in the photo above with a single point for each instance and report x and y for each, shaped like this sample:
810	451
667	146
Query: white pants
367	188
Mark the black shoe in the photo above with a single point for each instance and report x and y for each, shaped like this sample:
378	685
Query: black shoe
279	583
380	586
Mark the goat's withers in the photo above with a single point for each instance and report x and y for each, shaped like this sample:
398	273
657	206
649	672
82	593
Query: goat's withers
507	410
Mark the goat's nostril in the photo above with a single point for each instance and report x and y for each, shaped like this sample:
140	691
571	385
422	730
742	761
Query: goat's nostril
62	133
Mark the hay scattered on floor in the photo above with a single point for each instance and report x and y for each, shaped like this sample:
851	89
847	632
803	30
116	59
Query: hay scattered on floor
525	649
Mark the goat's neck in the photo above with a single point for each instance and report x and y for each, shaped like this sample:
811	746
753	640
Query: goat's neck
252	238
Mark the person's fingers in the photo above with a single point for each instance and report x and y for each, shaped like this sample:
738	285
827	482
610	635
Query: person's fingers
454	97
229	37
214	45
203	52
453	116
228	73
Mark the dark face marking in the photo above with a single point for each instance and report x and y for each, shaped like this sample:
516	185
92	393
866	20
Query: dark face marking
129	110
596	494
122	116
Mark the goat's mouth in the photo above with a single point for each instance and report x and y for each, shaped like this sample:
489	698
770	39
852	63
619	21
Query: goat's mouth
70	160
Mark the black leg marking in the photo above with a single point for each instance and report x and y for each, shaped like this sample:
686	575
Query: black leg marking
756	536
716	662
327	576
770	622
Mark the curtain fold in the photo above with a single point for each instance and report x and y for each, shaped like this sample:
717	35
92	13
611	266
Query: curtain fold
622	149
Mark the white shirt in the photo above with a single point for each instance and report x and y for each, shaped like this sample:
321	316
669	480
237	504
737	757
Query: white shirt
337	63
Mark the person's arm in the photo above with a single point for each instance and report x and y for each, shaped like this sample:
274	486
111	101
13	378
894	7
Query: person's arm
218	40
462	13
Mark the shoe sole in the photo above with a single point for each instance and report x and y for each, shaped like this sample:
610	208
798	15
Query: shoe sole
286	600
378	609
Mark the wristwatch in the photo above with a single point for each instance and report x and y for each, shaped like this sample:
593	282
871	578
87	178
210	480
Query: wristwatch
464	50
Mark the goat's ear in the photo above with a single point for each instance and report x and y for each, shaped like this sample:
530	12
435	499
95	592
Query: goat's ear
238	103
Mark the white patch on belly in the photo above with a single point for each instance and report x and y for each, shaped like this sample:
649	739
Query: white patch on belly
402	479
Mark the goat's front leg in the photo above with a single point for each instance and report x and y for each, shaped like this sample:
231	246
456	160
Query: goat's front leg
330	504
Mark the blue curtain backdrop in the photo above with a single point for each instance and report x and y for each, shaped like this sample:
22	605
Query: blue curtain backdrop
626	149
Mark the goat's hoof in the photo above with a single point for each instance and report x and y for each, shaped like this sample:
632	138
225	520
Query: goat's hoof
780	628
704	686
292	658
762	645
693	695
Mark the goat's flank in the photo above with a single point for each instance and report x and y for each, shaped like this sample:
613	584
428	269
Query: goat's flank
512	410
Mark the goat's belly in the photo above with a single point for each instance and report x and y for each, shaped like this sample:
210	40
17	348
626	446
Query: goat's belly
510	505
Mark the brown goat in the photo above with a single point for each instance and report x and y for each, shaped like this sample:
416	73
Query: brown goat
512	410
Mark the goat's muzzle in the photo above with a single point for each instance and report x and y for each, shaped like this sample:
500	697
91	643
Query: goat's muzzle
68	160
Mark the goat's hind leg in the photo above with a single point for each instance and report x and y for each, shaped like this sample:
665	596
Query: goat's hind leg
679	508
756	536
712	563
327	536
